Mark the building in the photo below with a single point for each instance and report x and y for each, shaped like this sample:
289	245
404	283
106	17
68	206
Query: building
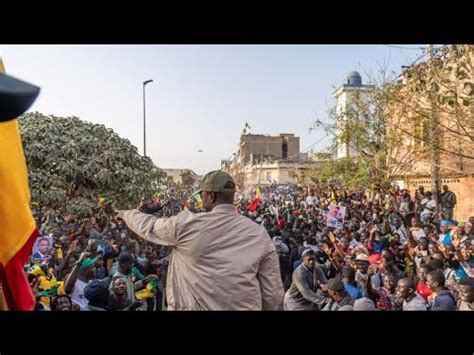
455	132
174	176
253	147
264	159
346	95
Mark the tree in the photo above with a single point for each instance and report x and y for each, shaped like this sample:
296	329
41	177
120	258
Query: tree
437	100
187	178
72	163
364	129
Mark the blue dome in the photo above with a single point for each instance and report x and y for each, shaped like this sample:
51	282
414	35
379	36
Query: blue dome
354	79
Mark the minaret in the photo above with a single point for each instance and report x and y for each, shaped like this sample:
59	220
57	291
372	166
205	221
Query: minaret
344	95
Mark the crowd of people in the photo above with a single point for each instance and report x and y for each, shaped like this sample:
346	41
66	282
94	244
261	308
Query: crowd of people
98	263
337	251
387	251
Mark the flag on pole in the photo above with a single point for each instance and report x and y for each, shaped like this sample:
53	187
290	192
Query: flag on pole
197	200
253	205
18	229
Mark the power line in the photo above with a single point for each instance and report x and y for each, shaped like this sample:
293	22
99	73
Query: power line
319	141
400	47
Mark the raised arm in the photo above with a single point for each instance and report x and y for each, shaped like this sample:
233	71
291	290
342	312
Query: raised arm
155	230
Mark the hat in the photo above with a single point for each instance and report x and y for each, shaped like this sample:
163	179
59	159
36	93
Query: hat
336	285
88	263
445	223
306	251
364	304
16	96
97	292
362	257
215	181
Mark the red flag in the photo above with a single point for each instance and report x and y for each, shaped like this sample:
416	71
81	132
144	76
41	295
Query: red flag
17	227
252	207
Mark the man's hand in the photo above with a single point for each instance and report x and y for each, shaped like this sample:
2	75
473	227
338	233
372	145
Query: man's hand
441	247
455	242
73	247
119	215
150	278
326	250
374	229
372	270
143	206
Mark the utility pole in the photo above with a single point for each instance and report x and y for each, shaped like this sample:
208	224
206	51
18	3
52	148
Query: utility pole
434	133
144	116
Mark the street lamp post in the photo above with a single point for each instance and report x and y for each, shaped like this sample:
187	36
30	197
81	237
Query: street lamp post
144	117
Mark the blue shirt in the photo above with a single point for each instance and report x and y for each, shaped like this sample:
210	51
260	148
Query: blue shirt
355	292
460	273
446	239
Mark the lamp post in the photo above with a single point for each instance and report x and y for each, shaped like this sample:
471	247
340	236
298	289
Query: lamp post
144	117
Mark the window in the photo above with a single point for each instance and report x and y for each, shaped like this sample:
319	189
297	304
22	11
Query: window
422	133
284	149
269	176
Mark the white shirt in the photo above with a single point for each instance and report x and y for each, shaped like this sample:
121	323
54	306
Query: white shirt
420	233
428	204
77	296
402	232
416	304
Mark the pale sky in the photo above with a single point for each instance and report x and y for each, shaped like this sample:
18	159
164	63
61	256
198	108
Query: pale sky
201	96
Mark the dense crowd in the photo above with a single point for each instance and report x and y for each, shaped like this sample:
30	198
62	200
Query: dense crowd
337	251
97	263
387	251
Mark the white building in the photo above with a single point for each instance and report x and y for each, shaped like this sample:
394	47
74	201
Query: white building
345	96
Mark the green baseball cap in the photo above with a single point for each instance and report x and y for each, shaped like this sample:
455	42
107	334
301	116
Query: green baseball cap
88	263
215	181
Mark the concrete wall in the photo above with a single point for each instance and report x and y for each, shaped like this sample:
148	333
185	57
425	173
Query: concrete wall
268	145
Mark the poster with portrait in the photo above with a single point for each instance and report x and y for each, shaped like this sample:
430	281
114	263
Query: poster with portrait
41	247
336	216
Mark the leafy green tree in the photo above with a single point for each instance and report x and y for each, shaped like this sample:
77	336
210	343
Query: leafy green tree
72	163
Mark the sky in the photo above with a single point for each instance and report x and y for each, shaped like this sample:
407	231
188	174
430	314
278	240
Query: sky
201	96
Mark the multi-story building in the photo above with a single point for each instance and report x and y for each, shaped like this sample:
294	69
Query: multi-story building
410	117
264	159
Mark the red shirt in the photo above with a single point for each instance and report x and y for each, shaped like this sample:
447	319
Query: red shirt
423	290
281	223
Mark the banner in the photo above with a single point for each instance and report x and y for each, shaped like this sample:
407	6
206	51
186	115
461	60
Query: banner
336	216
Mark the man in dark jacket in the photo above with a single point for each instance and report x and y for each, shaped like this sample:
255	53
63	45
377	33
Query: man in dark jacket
341	300
305	293
448	201
443	300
